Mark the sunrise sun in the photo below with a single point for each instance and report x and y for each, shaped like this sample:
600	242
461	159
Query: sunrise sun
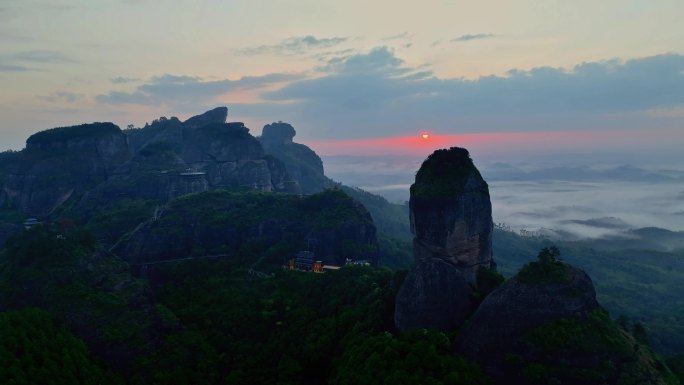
425	135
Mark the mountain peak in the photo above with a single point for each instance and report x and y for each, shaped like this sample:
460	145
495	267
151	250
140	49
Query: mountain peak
217	115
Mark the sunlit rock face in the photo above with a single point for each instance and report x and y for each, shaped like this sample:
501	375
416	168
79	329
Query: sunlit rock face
451	221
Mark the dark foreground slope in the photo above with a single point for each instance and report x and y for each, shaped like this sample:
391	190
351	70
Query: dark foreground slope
209	321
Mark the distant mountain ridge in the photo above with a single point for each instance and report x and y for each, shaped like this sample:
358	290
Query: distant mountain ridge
112	180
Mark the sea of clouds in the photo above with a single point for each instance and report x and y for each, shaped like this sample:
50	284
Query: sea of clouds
563	202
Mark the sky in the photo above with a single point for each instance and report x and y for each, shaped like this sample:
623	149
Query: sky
358	77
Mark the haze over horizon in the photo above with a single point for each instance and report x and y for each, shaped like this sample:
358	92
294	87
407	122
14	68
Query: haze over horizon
502	79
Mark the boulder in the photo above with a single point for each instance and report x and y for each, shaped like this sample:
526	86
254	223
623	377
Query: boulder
433	295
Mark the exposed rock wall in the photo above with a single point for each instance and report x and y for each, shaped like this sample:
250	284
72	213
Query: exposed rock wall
451	212
63	162
303	164
434	295
451	220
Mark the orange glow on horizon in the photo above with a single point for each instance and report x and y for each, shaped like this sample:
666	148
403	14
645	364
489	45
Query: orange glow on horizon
480	142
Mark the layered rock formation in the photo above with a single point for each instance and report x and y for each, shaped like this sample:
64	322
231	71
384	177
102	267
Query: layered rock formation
201	153
303	164
451	220
451	214
62	163
82	170
306	167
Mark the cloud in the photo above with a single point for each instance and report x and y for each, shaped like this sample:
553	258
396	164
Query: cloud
380	60
175	89
469	37
27	60
325	56
13	68
293	46
379	90
4	35
124	80
69	97
38	57
396	37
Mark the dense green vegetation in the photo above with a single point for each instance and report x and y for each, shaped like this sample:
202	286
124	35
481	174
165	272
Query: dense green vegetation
421	357
643	285
443	174
35	350
62	134
288	329
395	253
298	328
547	269
226	132
60	269
676	364
324	209
390	219
48	245
212	322
118	217
616	355
292	328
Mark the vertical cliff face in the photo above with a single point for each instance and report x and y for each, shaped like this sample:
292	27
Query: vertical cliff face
451	214
63	162
451	220
303	164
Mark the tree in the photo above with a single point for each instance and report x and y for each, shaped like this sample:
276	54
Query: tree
549	254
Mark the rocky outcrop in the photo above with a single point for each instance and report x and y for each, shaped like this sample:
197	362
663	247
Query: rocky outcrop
545	326
277	135
303	164
518	307
305	168
82	169
330	223
451	213
434	295
217	115
451	220
63	163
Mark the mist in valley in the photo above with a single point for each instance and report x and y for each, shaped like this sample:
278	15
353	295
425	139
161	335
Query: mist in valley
559	201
